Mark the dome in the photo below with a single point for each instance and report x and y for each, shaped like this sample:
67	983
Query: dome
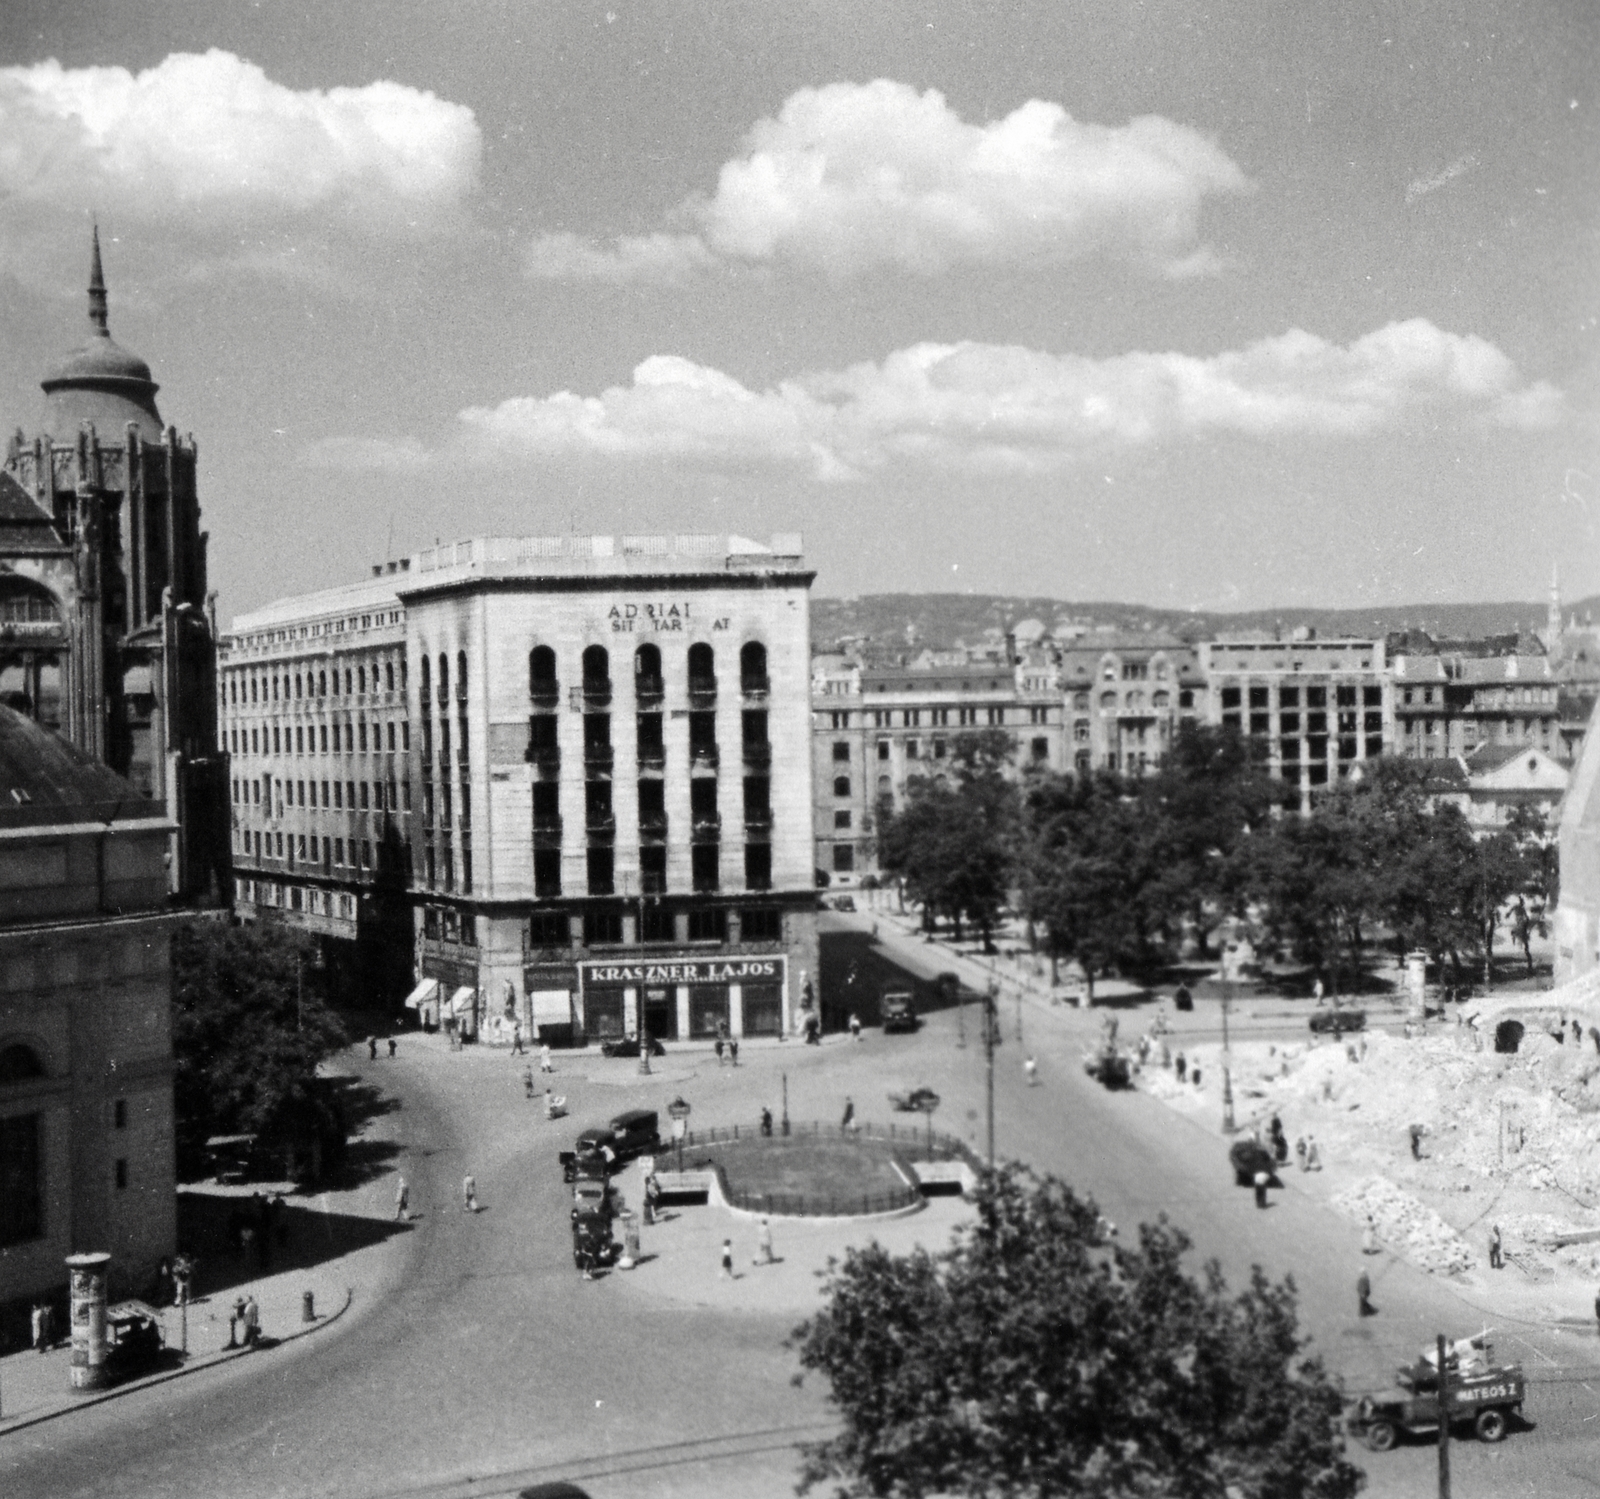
100	381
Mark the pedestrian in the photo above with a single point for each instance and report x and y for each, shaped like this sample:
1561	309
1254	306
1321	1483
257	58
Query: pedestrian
652	1198
37	1324
1364	1306
372	1048
766	1122
544	1058
1496	1257
718	1045
1313	1155
164	1286
552	1105
1416	1142
763	1244
527	1082
252	1322
1261	1182
733	1050
1597	1308
1195	1075
236	1322
849	1115
1369	1237
727	1260
469	1194
392	1046
1181	1066
1316	993
855	1027
402	1200
516	1039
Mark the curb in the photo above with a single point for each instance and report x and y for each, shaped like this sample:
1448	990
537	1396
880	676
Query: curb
206	1361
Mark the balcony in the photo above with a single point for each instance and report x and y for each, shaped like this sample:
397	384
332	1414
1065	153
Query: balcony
652	827
755	686
702	692
648	690
598	758
706	827
597	692
545	694
653	757
601	827
758	756
703	757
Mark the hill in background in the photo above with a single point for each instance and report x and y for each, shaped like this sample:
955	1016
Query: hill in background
894	621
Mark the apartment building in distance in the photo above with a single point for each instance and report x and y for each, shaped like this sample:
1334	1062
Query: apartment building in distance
1321	707
1125	696
315	721
1453	705
878	726
611	782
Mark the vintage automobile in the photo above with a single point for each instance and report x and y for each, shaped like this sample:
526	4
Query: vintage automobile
599	1151
629	1047
899	1011
914	1102
1336	1022
1250	1156
1482	1393
136	1337
592	1243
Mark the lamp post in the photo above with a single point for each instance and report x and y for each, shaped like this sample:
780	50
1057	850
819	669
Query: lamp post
991	1019
785	1125
1227	1056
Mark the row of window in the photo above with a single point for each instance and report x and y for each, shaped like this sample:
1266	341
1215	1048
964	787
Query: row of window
307	848
347	796
657	922
333	738
264	687
1494	697
1345	696
705	869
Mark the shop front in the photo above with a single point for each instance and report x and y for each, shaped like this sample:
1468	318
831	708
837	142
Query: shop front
688	999
552	990
458	1004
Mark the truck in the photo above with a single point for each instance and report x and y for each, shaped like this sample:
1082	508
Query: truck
1482	1393
899	1011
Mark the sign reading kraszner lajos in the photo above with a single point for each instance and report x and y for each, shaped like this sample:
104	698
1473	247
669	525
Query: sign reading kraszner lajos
766	970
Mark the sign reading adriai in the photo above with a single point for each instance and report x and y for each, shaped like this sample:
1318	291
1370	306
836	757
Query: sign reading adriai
629	619
685	971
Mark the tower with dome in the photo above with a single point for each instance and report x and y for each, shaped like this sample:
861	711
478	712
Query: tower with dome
107	630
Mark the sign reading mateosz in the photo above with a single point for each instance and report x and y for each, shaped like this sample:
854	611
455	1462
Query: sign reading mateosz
685	971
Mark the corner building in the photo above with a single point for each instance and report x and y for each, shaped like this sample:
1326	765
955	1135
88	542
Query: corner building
612	806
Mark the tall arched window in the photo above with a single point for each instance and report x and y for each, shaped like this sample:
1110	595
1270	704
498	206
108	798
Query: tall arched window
647	661
753	666
596	665
702	672
542	674
444	676
461	675
647	684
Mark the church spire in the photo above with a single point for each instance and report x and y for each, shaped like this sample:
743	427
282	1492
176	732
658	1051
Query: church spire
97	290
1553	613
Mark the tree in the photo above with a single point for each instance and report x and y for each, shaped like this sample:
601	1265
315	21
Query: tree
247	1036
953	841
1028	1361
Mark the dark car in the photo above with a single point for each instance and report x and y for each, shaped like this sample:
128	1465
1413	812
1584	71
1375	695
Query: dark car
629	1047
1337	1022
899	1011
1250	1156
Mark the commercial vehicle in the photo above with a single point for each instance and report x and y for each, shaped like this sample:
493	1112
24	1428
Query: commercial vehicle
1336	1022
899	1011
1481	1393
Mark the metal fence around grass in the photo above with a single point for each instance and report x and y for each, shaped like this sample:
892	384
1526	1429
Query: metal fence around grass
913	1137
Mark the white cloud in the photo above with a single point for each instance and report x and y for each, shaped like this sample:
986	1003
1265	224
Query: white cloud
999	408
852	177
660	258
213	137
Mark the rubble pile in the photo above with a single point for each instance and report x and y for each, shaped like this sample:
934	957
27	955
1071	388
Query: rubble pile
1406	1225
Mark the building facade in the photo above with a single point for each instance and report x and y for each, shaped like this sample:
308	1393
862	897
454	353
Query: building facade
1452	705
107	631
1125	697
87	1151
580	765
1319	707
316	724
876	728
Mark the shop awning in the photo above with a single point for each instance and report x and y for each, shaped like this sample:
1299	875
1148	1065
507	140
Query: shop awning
464	1000
425	993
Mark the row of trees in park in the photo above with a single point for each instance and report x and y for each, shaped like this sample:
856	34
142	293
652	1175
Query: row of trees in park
1119	872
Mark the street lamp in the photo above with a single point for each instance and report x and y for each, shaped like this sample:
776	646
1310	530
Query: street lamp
678	1111
1227	1055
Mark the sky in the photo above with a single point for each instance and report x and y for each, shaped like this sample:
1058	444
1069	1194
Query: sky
1213	307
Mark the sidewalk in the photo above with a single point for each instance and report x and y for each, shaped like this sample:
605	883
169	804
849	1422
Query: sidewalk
36	1387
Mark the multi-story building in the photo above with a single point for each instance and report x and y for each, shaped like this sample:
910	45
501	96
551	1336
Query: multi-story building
106	627
87	1154
582	762
1448	705
315	721
1319	707
1125	697
877	727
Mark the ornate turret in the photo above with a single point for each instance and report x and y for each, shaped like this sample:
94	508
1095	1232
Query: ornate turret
100	381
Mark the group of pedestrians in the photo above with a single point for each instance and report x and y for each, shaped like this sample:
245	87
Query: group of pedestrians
763	1256
372	1048
244	1322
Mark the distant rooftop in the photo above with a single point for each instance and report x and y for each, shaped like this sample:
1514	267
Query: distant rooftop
568	556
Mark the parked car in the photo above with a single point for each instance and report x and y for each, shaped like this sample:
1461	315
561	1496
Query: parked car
629	1047
844	903
1250	1156
1337	1022
899	1011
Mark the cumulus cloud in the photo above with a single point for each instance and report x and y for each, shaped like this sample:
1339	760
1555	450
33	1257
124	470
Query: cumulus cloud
1001	408
212	136
852	177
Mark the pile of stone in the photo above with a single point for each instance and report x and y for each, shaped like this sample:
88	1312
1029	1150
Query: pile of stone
1405	1225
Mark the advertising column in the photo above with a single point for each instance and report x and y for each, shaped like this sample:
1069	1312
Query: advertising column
87	1286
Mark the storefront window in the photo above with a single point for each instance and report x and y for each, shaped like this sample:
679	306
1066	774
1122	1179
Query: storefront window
708	1008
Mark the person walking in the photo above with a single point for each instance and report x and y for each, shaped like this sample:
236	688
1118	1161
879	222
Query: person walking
1261	1182
252	1322
733	1051
402	1201
1496	1258
527	1082
516	1039
469	1194
726	1273
1364	1306
544	1058
763	1245
849	1115
372	1048
392	1046
1313	1154
1416	1142
855	1027
766	1122
1181	1065
1369	1238
37	1324
1030	1070
1300	1152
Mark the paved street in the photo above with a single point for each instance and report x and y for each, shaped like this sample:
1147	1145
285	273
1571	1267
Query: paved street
487	1363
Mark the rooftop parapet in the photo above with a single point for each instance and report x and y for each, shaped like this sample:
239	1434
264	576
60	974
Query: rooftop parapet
604	555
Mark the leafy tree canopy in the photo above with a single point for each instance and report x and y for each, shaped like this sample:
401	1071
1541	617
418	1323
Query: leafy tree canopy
1026	1361
248	1032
